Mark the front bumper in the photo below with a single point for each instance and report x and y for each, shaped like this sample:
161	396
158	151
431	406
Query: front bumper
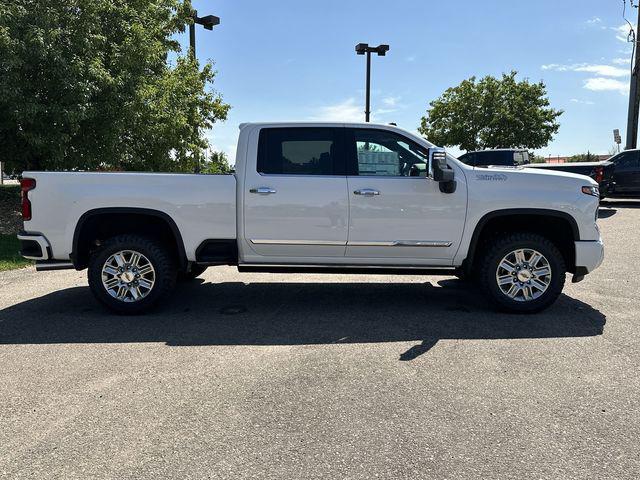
589	255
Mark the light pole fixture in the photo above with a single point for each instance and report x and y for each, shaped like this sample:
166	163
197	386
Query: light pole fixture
362	49
207	22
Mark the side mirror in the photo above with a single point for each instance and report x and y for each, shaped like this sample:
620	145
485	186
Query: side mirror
439	171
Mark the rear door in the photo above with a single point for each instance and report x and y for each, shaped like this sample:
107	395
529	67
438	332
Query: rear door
296	202
627	172
397	215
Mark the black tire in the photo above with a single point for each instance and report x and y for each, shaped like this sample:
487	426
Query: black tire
498	249
159	257
192	274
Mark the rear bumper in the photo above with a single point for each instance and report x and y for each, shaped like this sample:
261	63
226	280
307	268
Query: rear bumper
34	246
589	255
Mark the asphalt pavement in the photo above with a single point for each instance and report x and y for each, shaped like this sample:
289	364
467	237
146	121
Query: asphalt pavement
324	376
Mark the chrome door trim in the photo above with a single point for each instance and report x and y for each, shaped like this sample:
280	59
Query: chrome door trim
422	243
370	244
299	242
403	243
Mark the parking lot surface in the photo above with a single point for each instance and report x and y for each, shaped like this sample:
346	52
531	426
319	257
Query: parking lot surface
324	376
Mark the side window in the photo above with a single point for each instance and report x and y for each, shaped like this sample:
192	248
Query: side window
298	151
383	153
627	161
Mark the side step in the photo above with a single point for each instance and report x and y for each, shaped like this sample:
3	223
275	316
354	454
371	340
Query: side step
47	265
350	270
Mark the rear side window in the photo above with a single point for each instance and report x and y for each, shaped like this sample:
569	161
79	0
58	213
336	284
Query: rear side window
298	151
495	158
627	161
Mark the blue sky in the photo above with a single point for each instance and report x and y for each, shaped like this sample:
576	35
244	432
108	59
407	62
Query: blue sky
295	60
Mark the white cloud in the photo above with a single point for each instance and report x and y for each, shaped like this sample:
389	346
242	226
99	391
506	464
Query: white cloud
347	111
602	70
601	84
582	102
621	61
350	110
391	101
622	32
594	21
411	58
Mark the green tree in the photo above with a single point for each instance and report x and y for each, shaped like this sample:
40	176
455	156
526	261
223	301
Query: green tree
533	158
216	164
86	85
584	157
492	113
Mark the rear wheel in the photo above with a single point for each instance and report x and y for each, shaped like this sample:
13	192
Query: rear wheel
131	274
522	273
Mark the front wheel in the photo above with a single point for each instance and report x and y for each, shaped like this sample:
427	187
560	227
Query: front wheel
522	273
131	274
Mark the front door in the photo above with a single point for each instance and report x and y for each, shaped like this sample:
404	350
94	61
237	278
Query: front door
397	214
627	172
296	203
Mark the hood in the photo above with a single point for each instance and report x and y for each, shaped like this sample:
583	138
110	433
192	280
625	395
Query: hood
535	174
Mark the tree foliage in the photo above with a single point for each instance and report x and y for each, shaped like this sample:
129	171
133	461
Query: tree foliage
86	85
533	158
216	164
584	157
492	113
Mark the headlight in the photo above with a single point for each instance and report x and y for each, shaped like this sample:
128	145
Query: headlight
591	190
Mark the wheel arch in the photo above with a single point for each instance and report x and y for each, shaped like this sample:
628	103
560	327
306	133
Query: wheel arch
145	218
493	222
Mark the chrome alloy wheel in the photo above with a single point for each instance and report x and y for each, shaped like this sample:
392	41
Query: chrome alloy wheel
128	276
524	275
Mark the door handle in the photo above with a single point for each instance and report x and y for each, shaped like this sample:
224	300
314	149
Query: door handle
263	191
367	192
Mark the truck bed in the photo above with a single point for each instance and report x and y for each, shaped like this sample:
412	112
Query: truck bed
201	206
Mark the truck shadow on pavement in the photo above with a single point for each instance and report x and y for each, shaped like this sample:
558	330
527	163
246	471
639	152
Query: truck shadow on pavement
295	314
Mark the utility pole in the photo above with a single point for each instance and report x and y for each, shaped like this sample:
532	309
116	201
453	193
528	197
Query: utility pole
634	94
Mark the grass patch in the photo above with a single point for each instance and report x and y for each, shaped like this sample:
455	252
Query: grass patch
9	256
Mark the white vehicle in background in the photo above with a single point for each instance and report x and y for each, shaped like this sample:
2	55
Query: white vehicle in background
306	197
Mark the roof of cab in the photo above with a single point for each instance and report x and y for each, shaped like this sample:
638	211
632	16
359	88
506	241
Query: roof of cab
317	124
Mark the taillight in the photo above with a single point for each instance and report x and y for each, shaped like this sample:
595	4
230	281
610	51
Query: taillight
26	185
599	174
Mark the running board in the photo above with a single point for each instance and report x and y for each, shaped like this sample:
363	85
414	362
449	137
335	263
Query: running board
339	269
48	265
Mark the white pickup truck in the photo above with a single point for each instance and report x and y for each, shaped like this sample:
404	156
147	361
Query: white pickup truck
329	197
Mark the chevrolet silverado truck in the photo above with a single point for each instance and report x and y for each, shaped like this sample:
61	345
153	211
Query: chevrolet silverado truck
318	197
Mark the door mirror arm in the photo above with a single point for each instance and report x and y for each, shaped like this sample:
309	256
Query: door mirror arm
439	171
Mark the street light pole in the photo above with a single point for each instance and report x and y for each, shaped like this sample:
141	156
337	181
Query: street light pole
192	39
367	112
362	49
208	23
